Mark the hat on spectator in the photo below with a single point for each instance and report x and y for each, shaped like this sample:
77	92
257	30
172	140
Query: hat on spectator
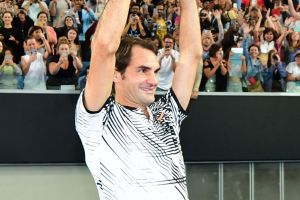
297	53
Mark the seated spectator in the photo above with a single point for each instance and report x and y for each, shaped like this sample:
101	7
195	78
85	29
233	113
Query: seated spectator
11	36
73	37
134	27
293	74
33	7
214	78
69	22
23	22
63	67
9	72
43	46
9	5
2	48
167	57
42	21
274	74
57	7
33	66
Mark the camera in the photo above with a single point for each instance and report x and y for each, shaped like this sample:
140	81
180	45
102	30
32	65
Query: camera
64	54
33	51
275	57
134	16
7	57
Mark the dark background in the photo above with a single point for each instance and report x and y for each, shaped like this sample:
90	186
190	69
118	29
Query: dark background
39	128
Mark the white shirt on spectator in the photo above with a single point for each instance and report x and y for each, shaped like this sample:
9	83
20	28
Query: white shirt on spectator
35	79
34	9
166	73
293	69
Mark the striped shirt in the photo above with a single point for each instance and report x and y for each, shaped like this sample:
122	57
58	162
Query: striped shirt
130	156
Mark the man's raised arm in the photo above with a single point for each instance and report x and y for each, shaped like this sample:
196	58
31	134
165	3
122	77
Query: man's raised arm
105	43
190	51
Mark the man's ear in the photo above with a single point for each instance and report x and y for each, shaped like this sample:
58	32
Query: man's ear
117	76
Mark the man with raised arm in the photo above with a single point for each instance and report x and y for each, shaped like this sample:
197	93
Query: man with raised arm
131	141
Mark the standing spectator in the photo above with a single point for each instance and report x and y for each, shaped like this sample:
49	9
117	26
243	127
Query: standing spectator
73	38
11	36
167	57
33	7
160	26
9	5
33	66
23	22
43	46
9	72
69	21
42	21
214	78
64	66
134	27
274	74
56	7
293	74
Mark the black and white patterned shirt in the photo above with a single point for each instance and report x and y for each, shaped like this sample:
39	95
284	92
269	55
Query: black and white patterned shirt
130	156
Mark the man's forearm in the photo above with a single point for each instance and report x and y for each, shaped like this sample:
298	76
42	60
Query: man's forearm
111	24
190	37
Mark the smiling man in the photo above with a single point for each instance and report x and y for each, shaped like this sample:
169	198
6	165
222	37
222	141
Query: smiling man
131	141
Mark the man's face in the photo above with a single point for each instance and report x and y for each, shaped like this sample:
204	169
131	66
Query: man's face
135	9
136	86
31	44
169	42
160	10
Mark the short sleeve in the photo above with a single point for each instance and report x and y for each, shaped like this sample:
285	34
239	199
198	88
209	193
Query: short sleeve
90	125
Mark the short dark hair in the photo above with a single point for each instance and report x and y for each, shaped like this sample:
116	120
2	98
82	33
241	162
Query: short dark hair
213	49
253	45
169	36
124	52
29	37
42	12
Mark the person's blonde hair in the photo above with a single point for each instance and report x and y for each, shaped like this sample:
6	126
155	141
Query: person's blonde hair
62	40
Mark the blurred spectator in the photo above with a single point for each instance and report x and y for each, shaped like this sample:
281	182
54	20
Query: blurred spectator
291	46
236	67
9	5
33	7
23	22
11	36
64	66
33	66
73	38
68	22
157	42
85	15
9	72
42	21
42	43
214	78
293	74
159	27
167	57
274	74
2	49
134	27
56	7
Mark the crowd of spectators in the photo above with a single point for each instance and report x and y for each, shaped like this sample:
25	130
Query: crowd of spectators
248	45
